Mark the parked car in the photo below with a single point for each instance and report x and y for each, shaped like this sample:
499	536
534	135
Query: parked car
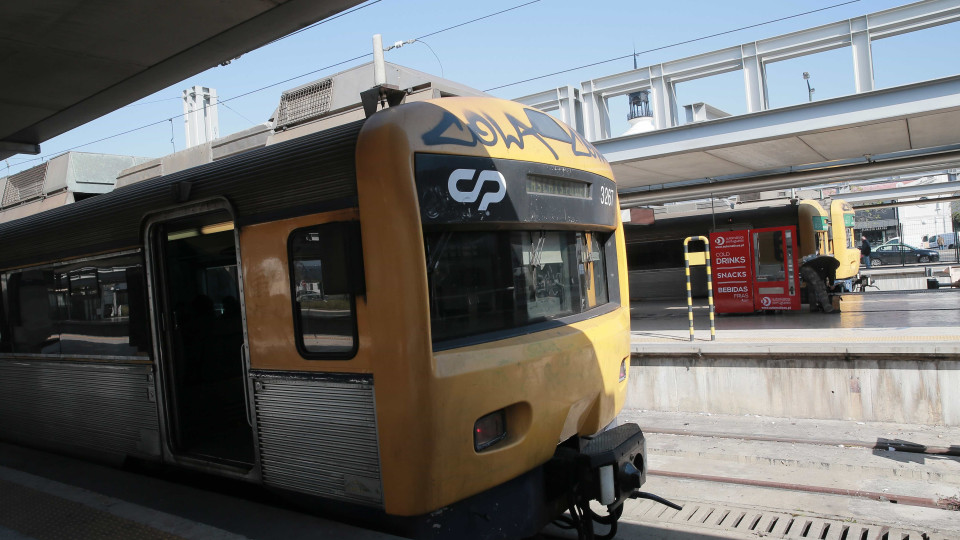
895	241
900	253
949	240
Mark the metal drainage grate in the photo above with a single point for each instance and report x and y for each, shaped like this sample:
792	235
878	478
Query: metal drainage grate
750	522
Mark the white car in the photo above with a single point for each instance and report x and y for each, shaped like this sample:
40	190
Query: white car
949	240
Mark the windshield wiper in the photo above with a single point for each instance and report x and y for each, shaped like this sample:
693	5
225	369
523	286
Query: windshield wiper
437	251
536	250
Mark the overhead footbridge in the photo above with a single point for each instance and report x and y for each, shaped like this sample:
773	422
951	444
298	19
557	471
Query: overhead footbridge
913	128
869	134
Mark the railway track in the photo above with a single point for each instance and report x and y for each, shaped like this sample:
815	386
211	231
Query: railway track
758	477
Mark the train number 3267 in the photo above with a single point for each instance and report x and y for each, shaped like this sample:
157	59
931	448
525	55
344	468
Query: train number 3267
606	196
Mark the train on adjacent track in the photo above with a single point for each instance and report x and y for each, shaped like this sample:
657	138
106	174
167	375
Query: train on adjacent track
788	252
422	315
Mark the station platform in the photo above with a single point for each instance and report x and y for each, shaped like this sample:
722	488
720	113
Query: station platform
885	357
48	496
875	322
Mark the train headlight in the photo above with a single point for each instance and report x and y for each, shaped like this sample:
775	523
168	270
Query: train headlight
489	430
623	369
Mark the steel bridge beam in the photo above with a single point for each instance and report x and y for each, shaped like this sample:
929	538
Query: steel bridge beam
752	58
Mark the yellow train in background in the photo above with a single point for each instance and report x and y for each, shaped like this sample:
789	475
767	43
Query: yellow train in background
422	315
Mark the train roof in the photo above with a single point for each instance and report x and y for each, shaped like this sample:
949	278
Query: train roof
308	174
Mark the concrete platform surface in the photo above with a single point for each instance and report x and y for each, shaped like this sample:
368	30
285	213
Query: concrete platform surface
892	323
47	496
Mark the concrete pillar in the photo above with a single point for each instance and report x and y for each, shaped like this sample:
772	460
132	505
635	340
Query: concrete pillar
862	55
664	99
200	119
571	110
596	119
754	78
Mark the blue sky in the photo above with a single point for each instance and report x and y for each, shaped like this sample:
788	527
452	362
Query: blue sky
540	38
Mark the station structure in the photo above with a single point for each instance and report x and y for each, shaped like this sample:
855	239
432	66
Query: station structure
709	157
856	368
872	133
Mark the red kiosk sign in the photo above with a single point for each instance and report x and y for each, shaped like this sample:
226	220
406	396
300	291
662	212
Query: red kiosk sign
755	270
732	275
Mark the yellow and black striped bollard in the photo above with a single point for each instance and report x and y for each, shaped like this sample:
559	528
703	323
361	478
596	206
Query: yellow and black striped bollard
699	258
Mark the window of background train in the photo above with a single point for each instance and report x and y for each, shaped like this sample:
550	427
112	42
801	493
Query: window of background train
96	307
324	273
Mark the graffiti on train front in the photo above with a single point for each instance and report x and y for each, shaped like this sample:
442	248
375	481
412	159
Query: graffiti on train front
483	129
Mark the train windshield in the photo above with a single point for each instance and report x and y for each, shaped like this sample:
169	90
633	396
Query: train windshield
490	281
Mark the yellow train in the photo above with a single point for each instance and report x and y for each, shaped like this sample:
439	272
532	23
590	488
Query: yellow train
829	256
422	314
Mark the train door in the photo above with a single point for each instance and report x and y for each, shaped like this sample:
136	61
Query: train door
201	338
776	279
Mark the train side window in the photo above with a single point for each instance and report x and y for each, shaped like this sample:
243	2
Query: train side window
4	332
35	310
94	308
325	277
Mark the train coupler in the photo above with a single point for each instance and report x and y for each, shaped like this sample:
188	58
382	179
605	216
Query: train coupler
611	468
612	464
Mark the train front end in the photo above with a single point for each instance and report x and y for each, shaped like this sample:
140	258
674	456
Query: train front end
845	244
510	301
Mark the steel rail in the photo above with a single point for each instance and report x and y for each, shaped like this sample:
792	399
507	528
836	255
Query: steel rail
891	445
909	500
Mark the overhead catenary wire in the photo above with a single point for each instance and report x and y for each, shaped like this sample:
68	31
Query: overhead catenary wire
422	42
181	115
238	113
291	34
447	29
452	27
262	88
161	100
328	19
442	30
677	44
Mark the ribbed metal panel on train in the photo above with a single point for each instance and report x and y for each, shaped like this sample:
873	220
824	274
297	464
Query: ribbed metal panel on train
318	435
315	169
106	408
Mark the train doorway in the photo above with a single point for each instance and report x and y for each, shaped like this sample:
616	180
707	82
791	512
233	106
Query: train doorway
201	338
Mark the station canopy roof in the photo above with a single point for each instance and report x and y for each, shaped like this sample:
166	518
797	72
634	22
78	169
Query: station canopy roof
66	62
873	134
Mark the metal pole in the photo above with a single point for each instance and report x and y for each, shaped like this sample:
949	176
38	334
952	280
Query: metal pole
379	67
706	251
686	269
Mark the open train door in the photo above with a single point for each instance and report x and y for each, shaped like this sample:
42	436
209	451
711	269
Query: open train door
197	303
776	283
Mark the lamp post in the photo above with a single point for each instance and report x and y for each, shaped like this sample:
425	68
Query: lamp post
810	91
